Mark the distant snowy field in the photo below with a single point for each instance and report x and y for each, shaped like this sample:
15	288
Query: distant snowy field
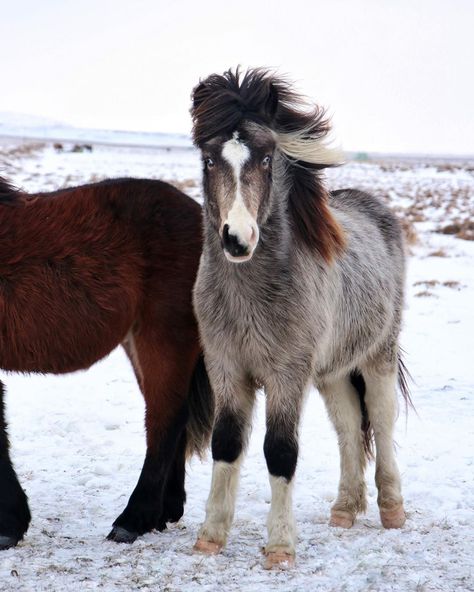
78	441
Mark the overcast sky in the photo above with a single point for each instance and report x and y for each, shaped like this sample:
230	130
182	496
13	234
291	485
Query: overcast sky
397	75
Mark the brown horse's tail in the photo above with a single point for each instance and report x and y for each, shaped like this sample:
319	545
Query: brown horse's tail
201	411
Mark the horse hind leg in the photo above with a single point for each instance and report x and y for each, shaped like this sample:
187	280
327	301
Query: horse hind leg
164	369
343	403
14	512
382	406
175	494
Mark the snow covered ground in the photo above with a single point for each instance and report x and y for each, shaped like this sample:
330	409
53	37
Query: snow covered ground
78	441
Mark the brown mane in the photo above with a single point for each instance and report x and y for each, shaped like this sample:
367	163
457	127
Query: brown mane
222	102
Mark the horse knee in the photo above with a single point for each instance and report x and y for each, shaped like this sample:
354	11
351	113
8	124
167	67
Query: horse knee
227	438
281	454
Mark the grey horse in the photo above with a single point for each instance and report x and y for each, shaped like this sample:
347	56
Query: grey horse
296	286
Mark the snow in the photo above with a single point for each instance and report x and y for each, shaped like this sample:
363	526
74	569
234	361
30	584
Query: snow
78	441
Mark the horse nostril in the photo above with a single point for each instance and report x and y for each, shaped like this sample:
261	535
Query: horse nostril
225	233
231	243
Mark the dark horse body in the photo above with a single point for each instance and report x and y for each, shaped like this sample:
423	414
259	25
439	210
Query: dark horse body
83	270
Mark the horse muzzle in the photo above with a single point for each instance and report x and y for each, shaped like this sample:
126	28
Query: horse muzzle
239	246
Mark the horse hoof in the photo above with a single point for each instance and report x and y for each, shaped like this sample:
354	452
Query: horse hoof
121	535
6	542
341	519
394	518
207	547
279	559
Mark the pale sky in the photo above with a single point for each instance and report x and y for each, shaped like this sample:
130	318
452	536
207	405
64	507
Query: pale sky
397	75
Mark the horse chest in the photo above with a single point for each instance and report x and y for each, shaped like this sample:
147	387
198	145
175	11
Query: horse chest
253	330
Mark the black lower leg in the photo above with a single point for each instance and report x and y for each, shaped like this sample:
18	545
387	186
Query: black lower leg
227	437
144	511
281	452
14	512
175	494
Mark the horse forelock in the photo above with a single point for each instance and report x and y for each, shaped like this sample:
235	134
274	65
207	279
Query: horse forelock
221	103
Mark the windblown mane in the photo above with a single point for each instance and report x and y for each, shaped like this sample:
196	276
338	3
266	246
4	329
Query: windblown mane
222	102
9	195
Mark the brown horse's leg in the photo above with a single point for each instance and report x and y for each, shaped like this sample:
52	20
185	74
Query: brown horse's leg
175	495
14	512
165	370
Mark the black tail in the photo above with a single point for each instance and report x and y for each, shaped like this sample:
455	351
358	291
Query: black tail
358	383
201	411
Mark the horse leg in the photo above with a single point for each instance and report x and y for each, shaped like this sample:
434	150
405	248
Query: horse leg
283	410
344	409
14	512
175	494
165	370
382	407
234	403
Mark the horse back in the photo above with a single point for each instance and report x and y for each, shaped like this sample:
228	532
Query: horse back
78	267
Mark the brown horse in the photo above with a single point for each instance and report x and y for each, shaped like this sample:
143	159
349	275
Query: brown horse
83	270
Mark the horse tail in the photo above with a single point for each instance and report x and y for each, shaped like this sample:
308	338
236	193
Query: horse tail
404	377
358	382
201	411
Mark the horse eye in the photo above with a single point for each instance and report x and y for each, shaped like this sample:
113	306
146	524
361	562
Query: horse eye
208	163
266	161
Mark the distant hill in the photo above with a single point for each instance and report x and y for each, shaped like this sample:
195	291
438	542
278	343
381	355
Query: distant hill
21	125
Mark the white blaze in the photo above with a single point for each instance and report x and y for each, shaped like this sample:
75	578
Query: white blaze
241	222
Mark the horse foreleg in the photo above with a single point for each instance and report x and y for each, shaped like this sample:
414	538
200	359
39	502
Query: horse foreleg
234	403
14	511
283	409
